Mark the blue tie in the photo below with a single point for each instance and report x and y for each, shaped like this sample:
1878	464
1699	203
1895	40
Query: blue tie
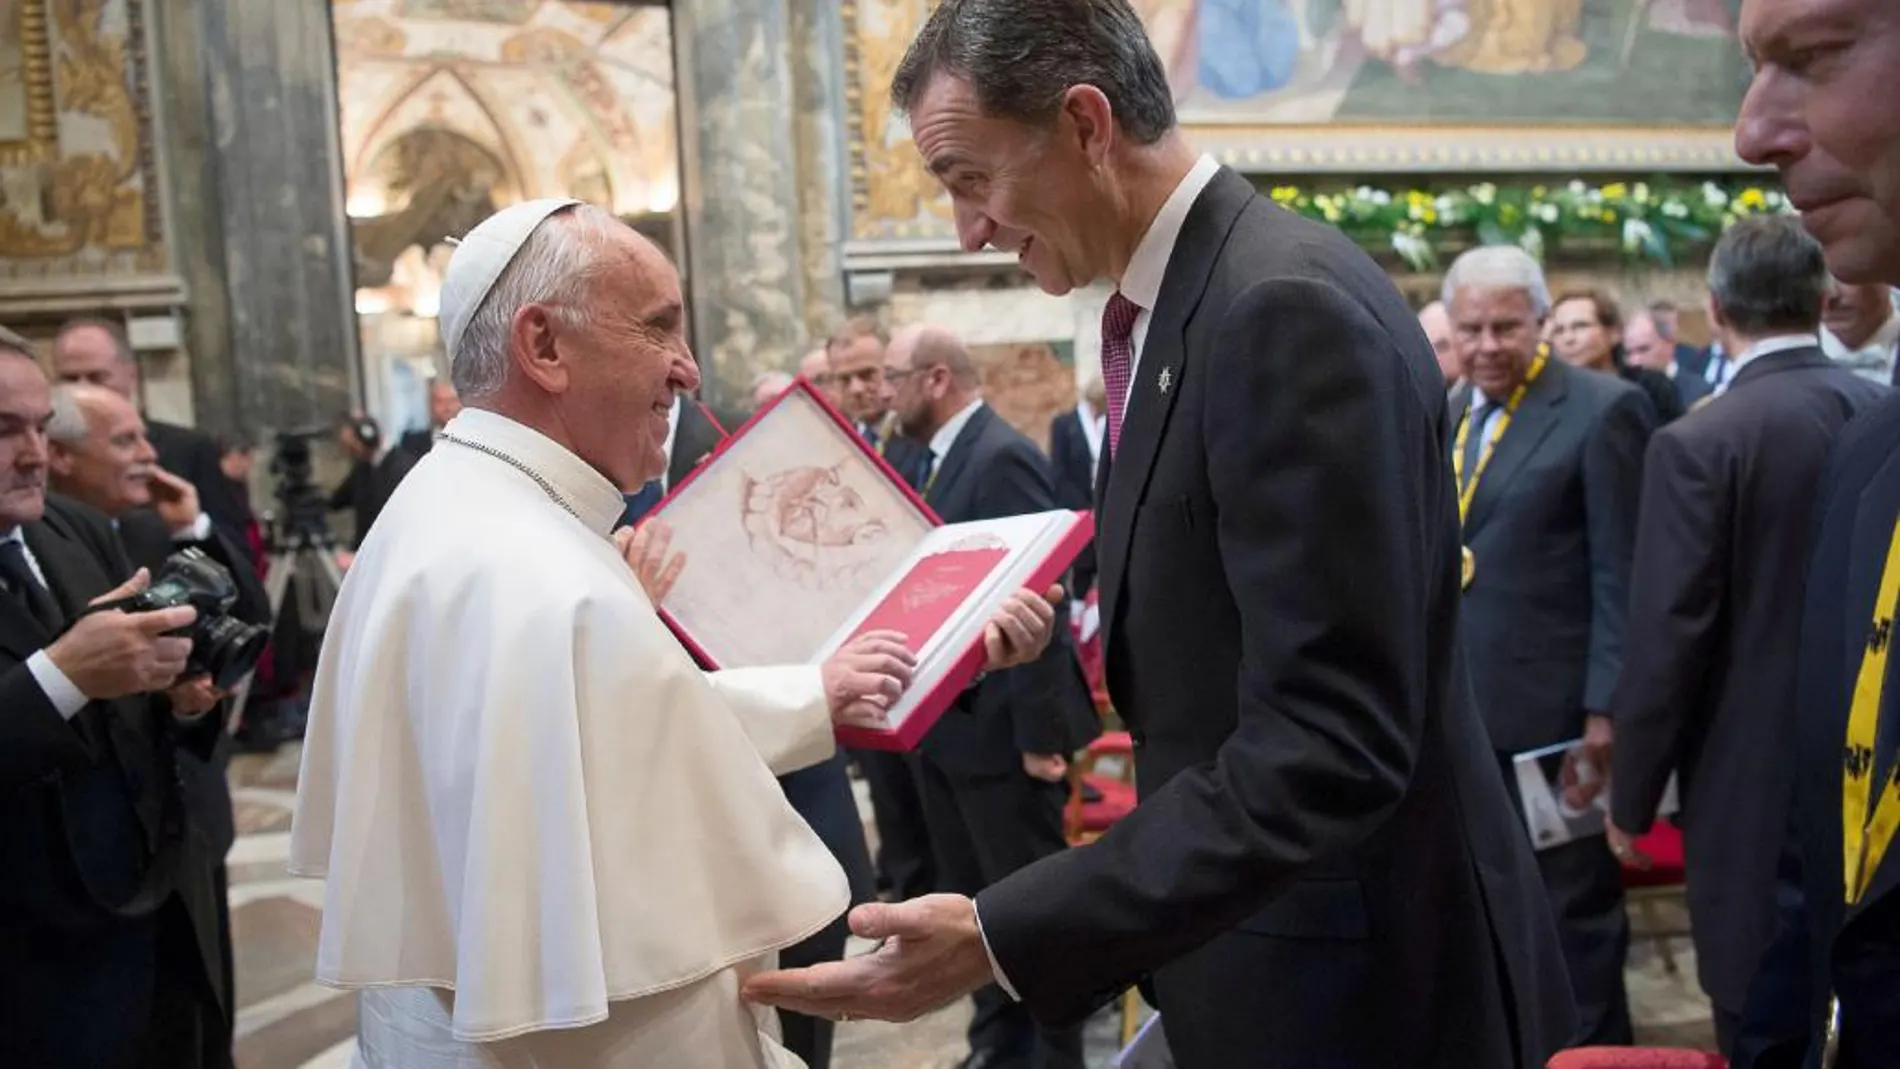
641	503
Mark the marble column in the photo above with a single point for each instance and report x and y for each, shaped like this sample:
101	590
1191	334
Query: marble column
259	179
824	181
737	74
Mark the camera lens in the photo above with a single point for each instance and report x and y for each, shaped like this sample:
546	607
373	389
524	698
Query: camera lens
228	649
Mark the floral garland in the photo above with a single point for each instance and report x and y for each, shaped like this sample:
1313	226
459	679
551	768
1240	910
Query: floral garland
1657	221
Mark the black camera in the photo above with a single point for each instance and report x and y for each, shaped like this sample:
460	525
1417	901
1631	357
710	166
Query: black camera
224	648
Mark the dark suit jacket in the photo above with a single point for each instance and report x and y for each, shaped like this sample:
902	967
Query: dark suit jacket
1043	707
1693	359
1661	391
1074	471
1553	525
1690	386
193	456
366	489
695	437
1722	553
417	443
91	805
1324	863
1822	945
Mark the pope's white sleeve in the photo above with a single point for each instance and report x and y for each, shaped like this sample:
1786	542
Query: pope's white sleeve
783	711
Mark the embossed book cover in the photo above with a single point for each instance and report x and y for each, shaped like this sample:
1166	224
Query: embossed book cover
798	537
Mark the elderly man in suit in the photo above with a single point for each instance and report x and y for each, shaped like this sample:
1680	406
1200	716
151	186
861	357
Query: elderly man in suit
1721	552
97	351
92	909
1323	868
1548	459
1828	120
99	456
1651	345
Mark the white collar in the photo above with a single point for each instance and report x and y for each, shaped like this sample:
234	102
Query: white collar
1141	282
1767	347
591	495
946	435
1094	425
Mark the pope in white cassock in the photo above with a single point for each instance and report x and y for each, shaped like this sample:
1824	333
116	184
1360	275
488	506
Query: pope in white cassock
547	838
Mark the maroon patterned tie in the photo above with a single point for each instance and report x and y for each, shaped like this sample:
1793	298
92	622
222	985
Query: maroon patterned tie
1118	359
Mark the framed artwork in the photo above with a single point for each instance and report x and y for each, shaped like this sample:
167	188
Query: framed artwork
789	526
1305	87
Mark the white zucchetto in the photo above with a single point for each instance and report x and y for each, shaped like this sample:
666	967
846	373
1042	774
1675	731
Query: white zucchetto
482	256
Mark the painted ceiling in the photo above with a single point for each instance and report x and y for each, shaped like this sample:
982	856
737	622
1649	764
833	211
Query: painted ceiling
506	100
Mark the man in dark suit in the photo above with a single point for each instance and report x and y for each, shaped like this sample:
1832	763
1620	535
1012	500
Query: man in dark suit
1075	453
1324	868
993	771
1832	977
1721	552
854	370
375	472
97	961
97	351
99	457
1548	459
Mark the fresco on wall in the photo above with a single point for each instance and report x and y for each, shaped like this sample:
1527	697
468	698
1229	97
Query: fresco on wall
79	200
1640	62
1302	87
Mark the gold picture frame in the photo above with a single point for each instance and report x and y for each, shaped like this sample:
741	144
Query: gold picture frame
29	125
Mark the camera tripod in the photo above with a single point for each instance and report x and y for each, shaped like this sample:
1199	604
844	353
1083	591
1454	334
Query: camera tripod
305	561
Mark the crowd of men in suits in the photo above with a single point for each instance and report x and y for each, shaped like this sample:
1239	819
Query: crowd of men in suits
1638	517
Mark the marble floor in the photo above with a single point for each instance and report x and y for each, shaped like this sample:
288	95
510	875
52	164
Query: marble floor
285	1021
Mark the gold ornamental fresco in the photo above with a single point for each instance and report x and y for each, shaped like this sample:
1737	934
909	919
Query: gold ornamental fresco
1307	87
79	184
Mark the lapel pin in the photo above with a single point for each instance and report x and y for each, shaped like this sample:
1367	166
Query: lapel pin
1166	380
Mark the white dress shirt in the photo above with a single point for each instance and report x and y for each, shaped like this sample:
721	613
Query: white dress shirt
1762	348
1141	283
67	698
1874	359
1094	429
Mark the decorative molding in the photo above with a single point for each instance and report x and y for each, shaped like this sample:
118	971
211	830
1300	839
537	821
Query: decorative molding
36	78
88	220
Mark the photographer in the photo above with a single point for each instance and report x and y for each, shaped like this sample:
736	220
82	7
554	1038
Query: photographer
96	926
373	476
99	456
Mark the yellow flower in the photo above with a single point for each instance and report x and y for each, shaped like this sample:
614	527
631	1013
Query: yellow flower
1429	215
1285	194
1615	191
1751	199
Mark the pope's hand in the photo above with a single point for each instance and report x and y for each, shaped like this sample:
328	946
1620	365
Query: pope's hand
932	954
1022	628
645	549
866	677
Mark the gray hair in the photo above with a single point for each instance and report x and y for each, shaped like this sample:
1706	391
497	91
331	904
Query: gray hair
553	267
68	425
1768	276
1020	56
1499	267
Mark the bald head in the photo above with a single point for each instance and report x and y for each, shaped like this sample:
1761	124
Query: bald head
97	450
933	377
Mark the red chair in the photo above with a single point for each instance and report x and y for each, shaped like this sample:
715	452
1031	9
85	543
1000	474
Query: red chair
1664	878
1635	1058
1084	819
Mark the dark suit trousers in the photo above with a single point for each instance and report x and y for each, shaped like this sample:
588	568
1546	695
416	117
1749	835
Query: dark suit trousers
906	865
983	829
1584	884
189	1028
810	1037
